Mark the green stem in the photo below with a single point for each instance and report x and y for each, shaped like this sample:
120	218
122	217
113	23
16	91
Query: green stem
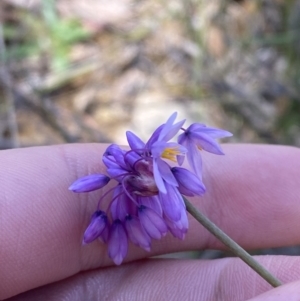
231	244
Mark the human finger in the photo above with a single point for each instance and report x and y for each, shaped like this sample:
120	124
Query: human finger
223	279
252	193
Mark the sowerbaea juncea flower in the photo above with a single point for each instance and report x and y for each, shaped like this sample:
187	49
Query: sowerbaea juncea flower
200	137
146	200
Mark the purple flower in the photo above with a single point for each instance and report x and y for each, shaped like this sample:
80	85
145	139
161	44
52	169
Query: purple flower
188	183
121	205
200	137
180	227
136	232
159	147
152	222
153	202
96	227
117	242
89	183
172	203
147	199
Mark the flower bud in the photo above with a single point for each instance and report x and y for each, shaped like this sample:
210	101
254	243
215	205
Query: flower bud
153	223
117	243
89	183
189	183
136	233
97	225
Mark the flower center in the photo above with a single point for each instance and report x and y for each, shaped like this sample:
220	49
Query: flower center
142	181
170	153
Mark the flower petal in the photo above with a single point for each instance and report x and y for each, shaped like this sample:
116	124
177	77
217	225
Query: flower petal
157	148
180	159
165	172
95	228
152	202
154	137
206	142
194	158
121	205
134	141
105	234
212	132
182	138
173	130
117	173
130	158
167	126
172	203
136	233
180	227
118	155
152	222
117	242
110	161
158	178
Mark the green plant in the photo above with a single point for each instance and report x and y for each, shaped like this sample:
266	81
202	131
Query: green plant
45	34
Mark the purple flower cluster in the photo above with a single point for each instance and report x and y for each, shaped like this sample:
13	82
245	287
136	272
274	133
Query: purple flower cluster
147	197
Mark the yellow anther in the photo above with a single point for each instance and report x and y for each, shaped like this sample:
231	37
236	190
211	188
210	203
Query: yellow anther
171	153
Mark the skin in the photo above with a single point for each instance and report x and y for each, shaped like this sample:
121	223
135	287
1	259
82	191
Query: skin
253	194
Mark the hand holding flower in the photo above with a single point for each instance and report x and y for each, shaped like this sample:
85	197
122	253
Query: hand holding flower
252	193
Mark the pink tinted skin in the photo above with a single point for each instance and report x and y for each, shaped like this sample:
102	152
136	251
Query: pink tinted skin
253	194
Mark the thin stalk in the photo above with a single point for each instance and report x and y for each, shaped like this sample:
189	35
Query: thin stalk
231	244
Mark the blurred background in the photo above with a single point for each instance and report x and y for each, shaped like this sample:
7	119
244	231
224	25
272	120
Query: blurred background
87	71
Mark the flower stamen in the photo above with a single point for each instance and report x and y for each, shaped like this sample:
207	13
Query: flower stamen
170	153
